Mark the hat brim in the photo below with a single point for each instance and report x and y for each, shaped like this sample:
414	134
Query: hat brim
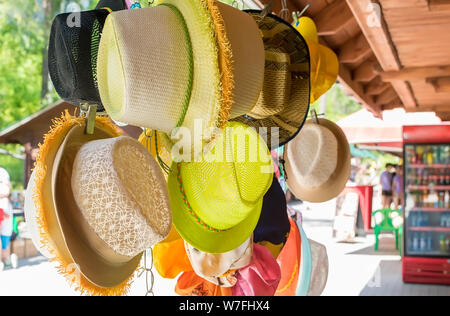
337	181
291	119
201	238
92	265
304	280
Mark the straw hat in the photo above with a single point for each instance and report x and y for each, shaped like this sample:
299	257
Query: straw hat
318	162
217	268
320	265
95	213
72	52
167	66
284	100
324	62
216	202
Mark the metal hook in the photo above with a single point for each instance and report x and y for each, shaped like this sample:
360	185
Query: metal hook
90	112
267	9
300	14
284	13
314	116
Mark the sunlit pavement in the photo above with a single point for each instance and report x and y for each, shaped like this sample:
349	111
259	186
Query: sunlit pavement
355	268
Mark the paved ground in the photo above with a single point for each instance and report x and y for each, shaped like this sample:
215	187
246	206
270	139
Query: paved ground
355	269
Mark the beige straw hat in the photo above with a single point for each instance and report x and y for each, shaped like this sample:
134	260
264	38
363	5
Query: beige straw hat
284	100
318	162
166	66
95	215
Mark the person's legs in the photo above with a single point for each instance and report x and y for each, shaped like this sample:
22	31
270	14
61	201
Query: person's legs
6	241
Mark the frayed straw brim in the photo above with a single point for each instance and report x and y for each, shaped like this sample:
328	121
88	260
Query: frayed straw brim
50	232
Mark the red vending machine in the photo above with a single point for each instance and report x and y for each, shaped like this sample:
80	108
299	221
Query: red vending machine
426	255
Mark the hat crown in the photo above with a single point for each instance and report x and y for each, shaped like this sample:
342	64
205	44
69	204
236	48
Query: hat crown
316	149
117	187
222	193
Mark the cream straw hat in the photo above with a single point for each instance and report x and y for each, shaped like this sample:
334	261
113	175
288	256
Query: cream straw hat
97	223
167	66
318	162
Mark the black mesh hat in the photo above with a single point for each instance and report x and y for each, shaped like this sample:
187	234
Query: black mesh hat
72	52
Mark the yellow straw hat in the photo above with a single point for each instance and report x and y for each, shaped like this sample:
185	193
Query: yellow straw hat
324	62
80	179
178	62
216	202
284	101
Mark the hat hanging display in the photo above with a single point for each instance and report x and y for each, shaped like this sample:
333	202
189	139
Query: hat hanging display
324	62
320	265
31	217
306	265
261	277
204	60
104	239
190	284
284	100
170	257
318	161
216	203
73	50
273	225
213	267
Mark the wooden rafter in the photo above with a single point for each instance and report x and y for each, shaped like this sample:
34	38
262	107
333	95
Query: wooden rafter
333	18
376	87
385	97
440	85
418	73
355	50
365	72
376	32
439	5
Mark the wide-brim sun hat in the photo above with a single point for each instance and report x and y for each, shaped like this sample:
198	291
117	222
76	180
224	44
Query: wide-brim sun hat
192	60
283	104
318	162
216	202
320	265
98	254
73	49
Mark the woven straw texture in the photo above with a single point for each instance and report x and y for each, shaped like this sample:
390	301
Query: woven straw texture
143	79
216	203
73	50
121	192
284	100
316	152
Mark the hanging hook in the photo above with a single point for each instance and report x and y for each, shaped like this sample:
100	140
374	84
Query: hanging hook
295	18
90	113
284	13
267	9
300	14
315	119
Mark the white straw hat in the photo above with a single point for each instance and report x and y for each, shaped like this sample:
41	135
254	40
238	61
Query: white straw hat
167	66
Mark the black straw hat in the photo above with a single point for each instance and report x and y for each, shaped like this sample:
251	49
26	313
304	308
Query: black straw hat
72	53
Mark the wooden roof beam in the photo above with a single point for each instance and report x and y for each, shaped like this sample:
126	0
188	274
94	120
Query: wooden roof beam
365	72
376	87
396	103
370	19
386	97
440	85
418	73
445	116
355	50
436	108
333	18
439	5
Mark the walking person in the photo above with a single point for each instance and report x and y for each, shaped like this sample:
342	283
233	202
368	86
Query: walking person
6	225
386	180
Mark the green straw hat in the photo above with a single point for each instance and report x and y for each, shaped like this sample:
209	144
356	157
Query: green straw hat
216	203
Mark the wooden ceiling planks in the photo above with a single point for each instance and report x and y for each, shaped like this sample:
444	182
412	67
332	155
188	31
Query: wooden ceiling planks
413	33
